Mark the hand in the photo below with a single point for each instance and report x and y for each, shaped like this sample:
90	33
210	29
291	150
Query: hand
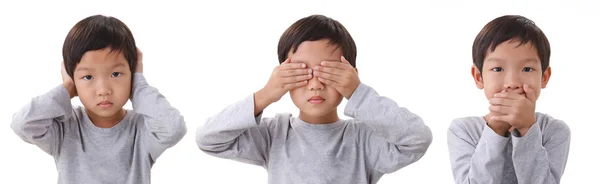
139	68
284	78
515	109
68	81
339	75
501	128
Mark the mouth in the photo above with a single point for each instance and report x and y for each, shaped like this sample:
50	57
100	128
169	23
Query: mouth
316	100
105	104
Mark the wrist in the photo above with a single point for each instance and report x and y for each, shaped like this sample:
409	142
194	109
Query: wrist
261	101
263	96
70	88
501	128
349	94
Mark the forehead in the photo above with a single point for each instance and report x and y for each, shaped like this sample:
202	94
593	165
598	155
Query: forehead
313	52
103	57
513	52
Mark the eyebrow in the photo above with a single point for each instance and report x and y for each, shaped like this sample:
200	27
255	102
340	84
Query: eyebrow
114	66
502	60
119	65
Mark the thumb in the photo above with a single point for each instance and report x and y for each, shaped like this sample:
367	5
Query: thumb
529	92
288	60
344	60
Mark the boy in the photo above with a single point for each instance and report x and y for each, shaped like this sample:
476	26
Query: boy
101	142
317	66
512	143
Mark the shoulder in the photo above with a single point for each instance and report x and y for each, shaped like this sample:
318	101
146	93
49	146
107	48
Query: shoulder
552	126
466	124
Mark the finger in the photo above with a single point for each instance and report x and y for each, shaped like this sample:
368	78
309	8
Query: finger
335	64
508	95
329	70
294	72
294	85
295	79
503	118
344	60
328	76
502	101
500	109
328	82
288	66
529	92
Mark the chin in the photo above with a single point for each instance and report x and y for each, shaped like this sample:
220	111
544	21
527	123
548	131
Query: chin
316	112
106	112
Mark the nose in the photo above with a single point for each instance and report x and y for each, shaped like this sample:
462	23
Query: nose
103	88
512	81
315	84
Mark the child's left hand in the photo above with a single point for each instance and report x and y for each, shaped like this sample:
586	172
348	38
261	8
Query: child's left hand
339	75
139	66
518	110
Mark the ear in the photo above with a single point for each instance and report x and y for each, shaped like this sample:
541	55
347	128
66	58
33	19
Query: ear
356	69
477	77
546	77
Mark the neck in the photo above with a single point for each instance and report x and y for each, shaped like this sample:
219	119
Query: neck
330	117
106	122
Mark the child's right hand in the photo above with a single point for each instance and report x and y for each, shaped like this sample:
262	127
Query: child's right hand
68	81
284	78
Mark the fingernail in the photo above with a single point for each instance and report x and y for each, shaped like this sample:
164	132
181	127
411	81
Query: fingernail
322	62
310	70
303	65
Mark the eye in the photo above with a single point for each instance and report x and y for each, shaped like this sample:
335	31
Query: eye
528	69
497	69
116	74
87	77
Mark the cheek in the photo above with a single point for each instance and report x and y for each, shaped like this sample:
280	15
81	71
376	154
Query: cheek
335	96
83	88
295	94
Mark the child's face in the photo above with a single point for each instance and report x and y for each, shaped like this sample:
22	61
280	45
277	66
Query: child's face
103	82
312	53
509	67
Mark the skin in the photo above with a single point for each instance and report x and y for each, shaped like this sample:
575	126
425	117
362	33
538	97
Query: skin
316	69
102	80
512	80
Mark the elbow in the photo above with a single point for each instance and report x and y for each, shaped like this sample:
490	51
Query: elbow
18	125
208	143
202	140
179	131
422	135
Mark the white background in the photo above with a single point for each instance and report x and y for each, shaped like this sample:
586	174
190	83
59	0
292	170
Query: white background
204	57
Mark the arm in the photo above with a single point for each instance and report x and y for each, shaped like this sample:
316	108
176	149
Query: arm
235	133
538	160
164	125
38	122
476	161
405	138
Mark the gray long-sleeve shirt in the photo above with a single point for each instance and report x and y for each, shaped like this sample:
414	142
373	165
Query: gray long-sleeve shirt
479	155
85	153
381	138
